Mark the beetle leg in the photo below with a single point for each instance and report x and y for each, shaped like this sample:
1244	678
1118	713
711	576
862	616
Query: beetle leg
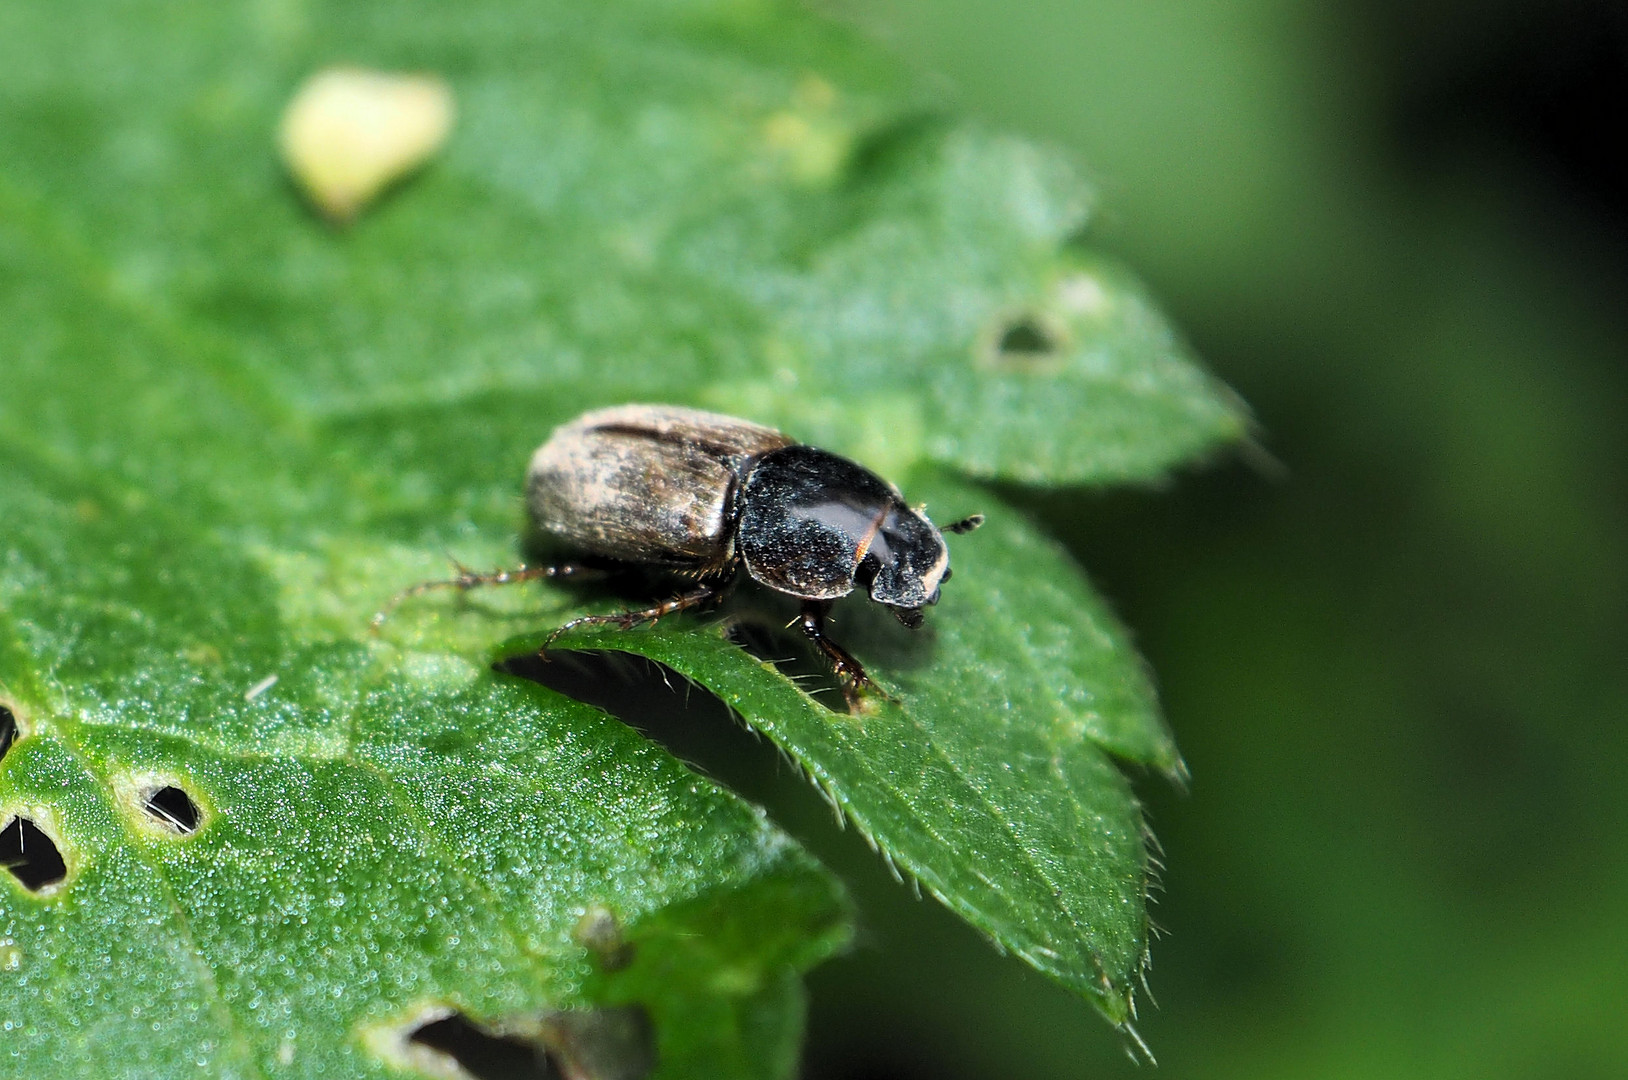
627	620
469	579
850	671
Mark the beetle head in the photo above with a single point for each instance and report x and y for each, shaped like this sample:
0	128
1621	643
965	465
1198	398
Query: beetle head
904	564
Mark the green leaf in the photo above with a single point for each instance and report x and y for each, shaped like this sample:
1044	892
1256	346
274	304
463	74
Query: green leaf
989	779
379	835
725	204
228	433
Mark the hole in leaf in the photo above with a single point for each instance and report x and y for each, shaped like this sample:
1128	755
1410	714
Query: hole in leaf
8	729
1026	337
1025	341
480	1053
30	855
588	1044
174	808
601	1044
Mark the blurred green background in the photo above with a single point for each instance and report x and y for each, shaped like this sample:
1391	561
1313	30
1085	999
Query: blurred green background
1398	666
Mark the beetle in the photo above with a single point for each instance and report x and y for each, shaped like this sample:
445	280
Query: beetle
704	496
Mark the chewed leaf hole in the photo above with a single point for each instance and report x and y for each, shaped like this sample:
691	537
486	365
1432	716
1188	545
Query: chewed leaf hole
575	1044
1024	341
173	808
480	1054
601	1044
31	855
1025	336
8	730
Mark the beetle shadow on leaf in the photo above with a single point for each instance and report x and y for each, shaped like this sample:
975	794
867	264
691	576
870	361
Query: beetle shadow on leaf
695	725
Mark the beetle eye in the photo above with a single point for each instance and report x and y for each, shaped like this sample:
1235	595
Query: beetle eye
947	573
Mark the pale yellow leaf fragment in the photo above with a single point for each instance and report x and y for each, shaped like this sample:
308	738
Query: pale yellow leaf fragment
350	133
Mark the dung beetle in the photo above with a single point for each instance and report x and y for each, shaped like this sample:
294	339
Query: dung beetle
703	496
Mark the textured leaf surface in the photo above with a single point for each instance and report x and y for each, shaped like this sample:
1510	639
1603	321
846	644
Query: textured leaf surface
718	203
382	833
228	433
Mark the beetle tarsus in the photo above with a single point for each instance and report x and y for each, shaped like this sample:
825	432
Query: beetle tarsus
849	671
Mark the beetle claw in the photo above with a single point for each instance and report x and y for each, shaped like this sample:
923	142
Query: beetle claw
850	672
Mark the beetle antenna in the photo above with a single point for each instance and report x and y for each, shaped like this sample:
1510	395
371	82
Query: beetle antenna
965	525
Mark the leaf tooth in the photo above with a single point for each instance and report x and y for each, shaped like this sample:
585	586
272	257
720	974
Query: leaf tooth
1136	1048
893	867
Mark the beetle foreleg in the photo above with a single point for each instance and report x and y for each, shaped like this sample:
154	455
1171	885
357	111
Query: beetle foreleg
850	671
470	579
